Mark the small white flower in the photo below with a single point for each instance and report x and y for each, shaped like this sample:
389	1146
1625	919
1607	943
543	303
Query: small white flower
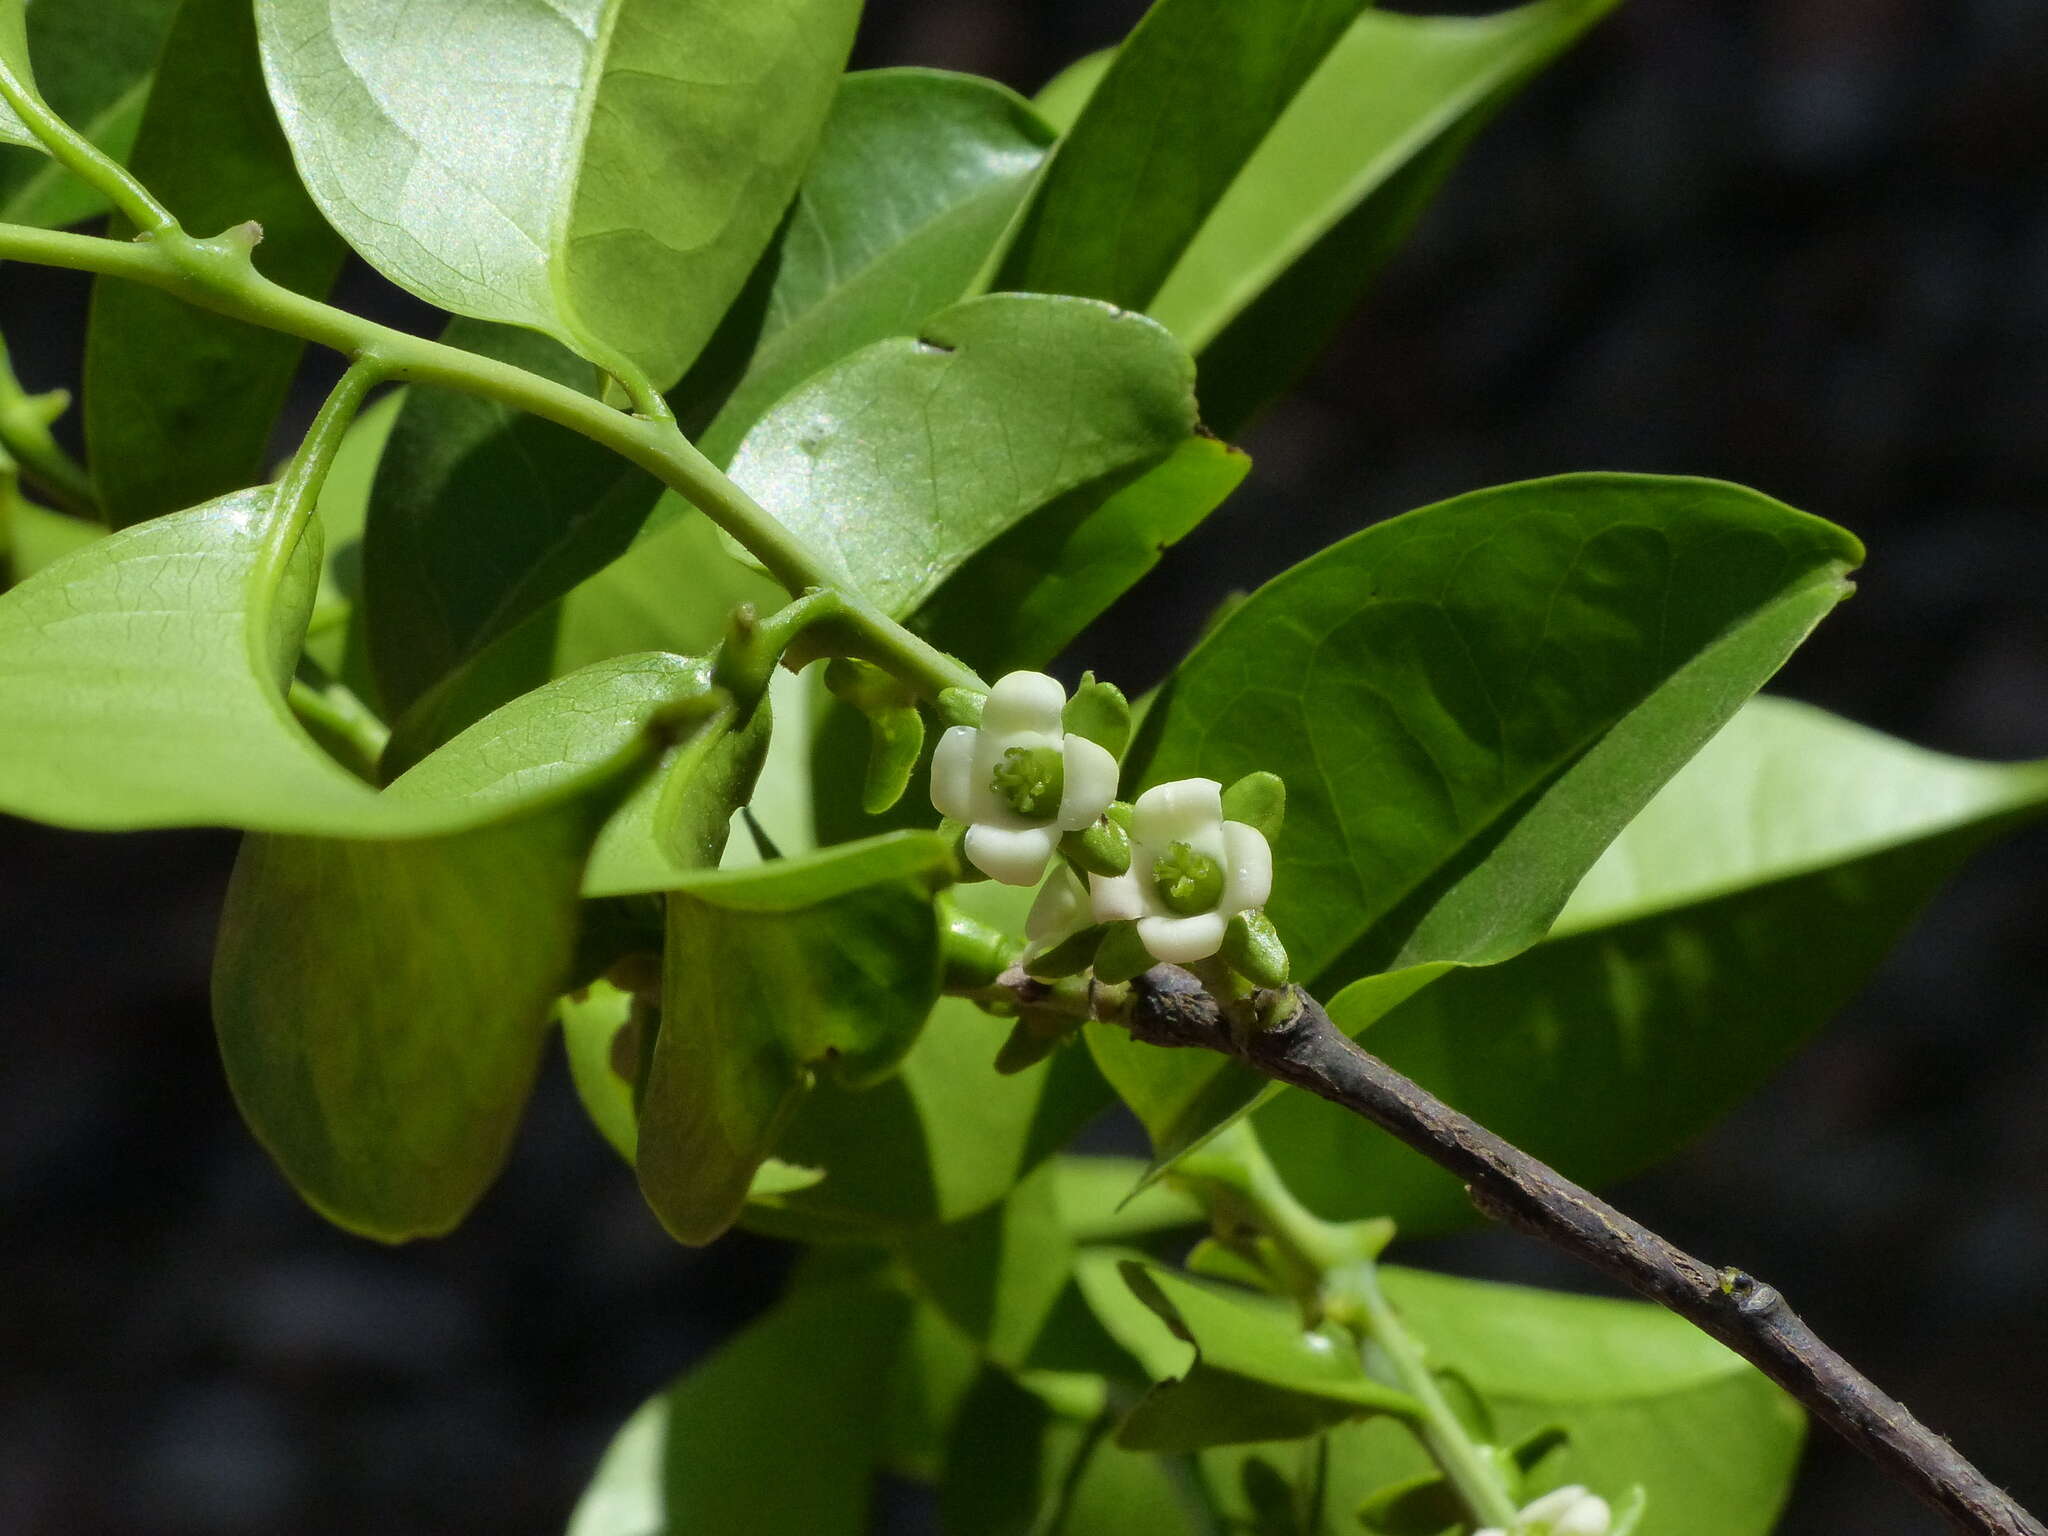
1191	872
1566	1511
1020	779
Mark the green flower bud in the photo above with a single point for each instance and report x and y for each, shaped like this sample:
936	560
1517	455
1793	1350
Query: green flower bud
1100	712
1252	948
960	706
1070	957
1189	882
1102	849
1122	954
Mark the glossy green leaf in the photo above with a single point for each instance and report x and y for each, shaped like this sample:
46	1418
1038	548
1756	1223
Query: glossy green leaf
1732	918
1468	703
93	65
1253	1372
641	152
770	974
391	1106
180	403
1337	184
1061	568
1208	78
916	175
1644	1398
776	1432
900	462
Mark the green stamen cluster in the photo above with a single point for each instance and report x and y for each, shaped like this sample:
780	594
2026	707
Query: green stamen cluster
1030	781
1188	880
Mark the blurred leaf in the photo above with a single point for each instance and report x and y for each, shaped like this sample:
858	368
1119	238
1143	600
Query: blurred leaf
915	177
1096	1204
1255	1373
1643	1396
998	1274
382	1005
1023	1462
1471	701
601	1062
179	402
934	1370
943	1138
771	973
334	632
1208	78
627	186
1733	917
37	537
93	65
776	1432
1060	100
1338	183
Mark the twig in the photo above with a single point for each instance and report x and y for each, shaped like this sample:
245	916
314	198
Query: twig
1167	1006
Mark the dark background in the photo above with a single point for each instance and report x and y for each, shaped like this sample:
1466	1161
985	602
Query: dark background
1800	244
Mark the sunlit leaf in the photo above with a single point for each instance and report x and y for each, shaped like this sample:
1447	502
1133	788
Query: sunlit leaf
640	155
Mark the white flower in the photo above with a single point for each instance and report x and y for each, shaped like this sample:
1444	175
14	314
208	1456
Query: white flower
1019	779
1191	872
1566	1511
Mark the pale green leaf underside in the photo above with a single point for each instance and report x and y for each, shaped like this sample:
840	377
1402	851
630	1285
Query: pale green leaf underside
606	171
132	687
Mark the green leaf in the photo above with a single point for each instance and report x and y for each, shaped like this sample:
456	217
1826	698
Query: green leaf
335	638
1254	1373
93	65
1733	917
901	461
1060	100
771	973
917	174
642	152
998	1275
1023	1461
1337	184
14	66
145	675
1643	1396
382	1005
1096	1204
934	1371
179	402
1208	78
37	537
776	1432
461	475
1469	703
604	1060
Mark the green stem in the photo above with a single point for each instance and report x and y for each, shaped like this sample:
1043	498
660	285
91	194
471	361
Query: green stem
218	275
25	432
84	159
298	489
1470	1470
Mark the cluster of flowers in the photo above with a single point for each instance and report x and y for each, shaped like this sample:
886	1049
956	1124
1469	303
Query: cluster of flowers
1182	875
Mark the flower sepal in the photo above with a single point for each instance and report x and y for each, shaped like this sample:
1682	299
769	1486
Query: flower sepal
1100	712
1069	957
1122	955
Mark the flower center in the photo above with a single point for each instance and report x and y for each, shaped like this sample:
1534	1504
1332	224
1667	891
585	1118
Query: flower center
1030	781
1188	880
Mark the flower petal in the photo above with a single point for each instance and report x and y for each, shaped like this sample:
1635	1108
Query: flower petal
1183	940
1013	855
1119	898
1024	701
1061	907
1178	812
1091	782
953	774
1247	868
